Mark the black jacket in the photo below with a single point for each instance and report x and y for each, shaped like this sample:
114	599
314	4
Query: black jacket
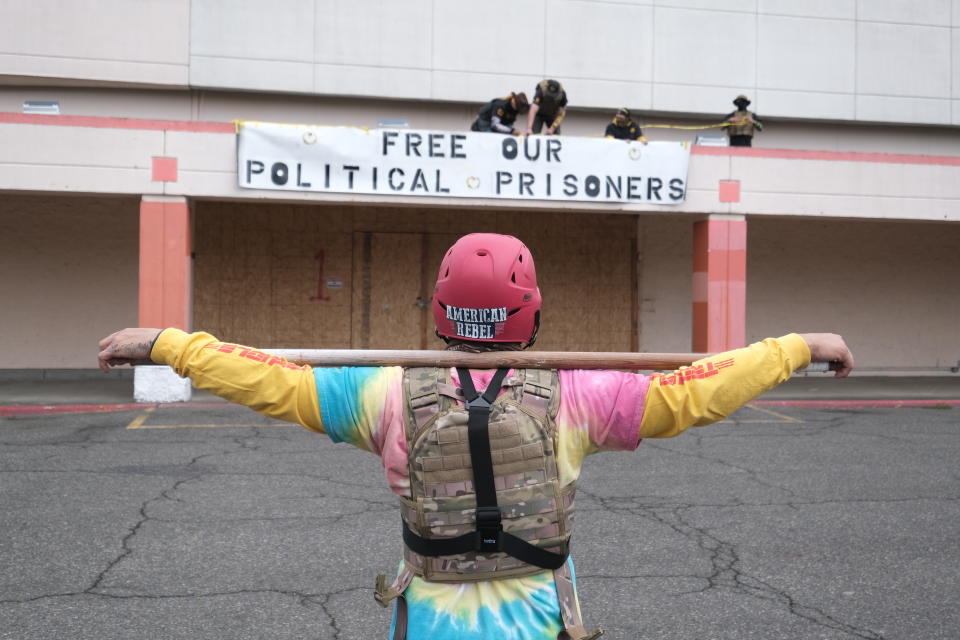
628	131
498	116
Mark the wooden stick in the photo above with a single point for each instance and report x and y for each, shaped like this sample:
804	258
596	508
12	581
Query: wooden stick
489	359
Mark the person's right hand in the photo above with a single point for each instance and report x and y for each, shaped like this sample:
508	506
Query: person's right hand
529	131
829	347
516	132
126	347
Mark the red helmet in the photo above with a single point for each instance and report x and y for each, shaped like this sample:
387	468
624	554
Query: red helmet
487	291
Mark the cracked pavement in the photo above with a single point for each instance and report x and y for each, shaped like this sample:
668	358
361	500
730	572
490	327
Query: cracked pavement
841	526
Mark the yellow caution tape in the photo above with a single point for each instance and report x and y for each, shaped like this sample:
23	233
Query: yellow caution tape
686	127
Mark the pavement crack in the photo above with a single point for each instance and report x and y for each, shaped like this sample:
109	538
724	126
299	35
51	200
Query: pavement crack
726	572
751	473
323	601
167	494
125	548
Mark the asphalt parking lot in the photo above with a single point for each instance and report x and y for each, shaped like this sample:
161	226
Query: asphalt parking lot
209	521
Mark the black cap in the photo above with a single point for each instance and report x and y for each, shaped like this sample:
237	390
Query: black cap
741	98
623	111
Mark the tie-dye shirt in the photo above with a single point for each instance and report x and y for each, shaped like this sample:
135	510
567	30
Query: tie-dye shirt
599	410
363	406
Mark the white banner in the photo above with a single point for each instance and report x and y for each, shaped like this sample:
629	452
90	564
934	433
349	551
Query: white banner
461	165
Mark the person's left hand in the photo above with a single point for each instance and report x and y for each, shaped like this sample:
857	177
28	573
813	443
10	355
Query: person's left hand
829	347
126	347
550	131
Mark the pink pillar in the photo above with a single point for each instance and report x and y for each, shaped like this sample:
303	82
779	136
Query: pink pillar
166	276
719	283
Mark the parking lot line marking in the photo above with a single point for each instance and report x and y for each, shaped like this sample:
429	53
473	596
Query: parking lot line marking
137	423
785	418
782	417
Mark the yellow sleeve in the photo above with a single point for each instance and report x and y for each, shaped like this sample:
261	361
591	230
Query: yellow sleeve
267	384
561	112
713	388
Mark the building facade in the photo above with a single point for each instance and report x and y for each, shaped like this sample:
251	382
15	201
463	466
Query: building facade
125	207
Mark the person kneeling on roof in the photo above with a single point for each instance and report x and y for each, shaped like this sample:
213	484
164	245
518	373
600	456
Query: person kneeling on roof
498	115
623	128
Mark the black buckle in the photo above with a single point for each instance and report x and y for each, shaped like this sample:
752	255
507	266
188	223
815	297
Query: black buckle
479	404
489	526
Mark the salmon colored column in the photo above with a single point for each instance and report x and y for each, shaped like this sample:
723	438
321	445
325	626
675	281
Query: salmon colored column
719	283
166	276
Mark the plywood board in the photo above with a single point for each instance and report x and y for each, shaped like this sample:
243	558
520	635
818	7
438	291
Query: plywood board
387	269
262	270
273	275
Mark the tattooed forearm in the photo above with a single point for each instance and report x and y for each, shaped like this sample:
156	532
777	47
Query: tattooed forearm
127	346
130	349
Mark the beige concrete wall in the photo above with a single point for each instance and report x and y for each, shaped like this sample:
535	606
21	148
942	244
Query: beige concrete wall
106	159
109	41
68	277
224	106
840	60
844	60
890	288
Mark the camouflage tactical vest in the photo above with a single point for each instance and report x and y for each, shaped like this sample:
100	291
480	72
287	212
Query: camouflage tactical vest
740	126
442	503
522	446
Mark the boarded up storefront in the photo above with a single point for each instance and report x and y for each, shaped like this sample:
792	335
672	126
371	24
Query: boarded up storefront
279	275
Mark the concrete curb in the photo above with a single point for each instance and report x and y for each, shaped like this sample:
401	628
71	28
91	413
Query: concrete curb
857	404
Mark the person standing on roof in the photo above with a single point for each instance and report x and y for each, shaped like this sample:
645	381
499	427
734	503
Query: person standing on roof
743	123
623	128
548	108
499	114
484	463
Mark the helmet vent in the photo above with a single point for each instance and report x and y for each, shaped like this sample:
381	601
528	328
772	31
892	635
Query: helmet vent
481	252
447	273
520	258
513	277
513	311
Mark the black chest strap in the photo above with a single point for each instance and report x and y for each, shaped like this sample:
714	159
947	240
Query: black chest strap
489	536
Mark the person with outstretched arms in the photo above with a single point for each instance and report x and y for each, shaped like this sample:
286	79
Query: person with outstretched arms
484	463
